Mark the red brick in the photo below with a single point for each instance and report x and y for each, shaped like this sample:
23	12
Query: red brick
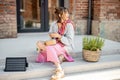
7	21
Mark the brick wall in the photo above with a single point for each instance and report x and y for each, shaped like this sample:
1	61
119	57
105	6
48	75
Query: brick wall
106	9
106	17
96	9
110	10
106	21
8	26
80	13
81	9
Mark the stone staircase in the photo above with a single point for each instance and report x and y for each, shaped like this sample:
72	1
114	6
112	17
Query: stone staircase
24	46
46	69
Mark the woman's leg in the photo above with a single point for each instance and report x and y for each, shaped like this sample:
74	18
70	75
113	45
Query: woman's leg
52	55
59	73
41	52
58	66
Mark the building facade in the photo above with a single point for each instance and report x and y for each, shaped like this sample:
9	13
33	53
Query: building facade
96	17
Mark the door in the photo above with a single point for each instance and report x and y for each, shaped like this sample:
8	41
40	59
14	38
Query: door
35	15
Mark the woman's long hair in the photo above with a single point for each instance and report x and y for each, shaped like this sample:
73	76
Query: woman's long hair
60	11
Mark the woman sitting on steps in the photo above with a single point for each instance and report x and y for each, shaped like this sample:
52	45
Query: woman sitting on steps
63	33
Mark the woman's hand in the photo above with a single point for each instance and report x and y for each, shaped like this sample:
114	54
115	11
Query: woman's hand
55	35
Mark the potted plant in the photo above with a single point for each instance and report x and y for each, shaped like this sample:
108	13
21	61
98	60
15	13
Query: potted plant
29	24
92	48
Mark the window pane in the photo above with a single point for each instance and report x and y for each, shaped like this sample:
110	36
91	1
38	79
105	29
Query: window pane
52	4
30	14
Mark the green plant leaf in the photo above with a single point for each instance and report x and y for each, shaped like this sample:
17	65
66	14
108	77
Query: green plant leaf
93	43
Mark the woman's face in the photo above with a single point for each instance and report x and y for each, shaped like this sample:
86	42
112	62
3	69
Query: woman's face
65	15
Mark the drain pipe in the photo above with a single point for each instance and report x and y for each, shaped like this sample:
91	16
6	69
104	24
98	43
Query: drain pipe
61	3
89	21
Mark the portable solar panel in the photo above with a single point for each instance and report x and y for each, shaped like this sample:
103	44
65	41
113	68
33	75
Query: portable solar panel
16	64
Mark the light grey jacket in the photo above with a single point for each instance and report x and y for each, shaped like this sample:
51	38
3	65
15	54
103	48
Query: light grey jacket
67	38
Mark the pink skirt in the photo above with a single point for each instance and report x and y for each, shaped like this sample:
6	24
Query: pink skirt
51	54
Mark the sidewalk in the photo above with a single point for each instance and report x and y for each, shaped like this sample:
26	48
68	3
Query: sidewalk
25	46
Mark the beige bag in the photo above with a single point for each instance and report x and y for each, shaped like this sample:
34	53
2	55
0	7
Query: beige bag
50	42
46	43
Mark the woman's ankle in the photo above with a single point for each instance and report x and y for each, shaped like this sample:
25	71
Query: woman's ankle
61	58
58	66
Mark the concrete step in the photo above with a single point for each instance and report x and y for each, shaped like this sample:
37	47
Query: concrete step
103	74
46	69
